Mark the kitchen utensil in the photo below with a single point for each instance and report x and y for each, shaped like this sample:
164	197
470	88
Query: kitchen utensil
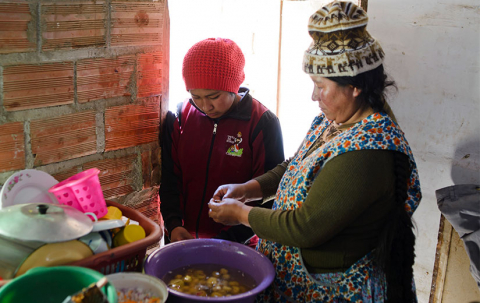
13	253
107	236
43	222
96	242
90	294
211	251
27	186
133	285
53	254
113	213
107	224
82	191
52	284
128	234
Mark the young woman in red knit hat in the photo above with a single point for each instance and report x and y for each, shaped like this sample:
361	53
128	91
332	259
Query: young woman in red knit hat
220	135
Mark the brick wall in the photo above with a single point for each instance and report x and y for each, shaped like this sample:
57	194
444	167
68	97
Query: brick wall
85	84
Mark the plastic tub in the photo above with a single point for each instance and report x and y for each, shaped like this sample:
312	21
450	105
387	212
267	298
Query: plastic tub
53	285
82	191
211	251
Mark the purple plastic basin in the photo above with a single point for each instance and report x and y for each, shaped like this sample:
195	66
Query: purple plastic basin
211	251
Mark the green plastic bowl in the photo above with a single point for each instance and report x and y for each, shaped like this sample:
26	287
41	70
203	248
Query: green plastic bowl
52	285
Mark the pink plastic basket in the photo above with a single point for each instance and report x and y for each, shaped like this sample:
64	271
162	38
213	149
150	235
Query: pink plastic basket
82	191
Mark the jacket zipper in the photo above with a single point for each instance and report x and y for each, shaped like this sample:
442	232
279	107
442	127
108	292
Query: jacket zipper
206	179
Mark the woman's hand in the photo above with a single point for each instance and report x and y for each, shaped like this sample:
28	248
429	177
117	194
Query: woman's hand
233	191
180	233
229	212
244	192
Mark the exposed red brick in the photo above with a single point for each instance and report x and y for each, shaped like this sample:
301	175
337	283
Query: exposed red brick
131	125
116	180
17	27
73	25
118	192
116	175
150	208
149	74
111	166
36	86
63	138
146	168
166	65
12	147
104	78
63	175
150	211
137	23
155	173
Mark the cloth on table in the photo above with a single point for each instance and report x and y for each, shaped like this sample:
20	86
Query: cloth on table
460	204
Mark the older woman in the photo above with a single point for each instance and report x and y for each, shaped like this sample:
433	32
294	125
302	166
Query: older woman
340	228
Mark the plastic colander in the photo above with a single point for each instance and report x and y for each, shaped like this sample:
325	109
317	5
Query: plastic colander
82	191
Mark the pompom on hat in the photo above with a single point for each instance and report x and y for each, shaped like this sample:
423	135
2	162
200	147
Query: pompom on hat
341	44
214	63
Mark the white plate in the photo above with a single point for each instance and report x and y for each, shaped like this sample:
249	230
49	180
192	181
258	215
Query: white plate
27	186
107	224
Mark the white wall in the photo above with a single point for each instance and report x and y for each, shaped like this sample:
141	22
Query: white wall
252	24
432	52
297	109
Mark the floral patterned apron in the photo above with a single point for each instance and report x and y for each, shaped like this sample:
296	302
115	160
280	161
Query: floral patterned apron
292	282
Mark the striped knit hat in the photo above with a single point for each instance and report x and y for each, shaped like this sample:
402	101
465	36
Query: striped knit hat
341	44
214	64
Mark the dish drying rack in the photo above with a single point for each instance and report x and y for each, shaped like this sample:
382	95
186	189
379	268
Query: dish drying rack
128	257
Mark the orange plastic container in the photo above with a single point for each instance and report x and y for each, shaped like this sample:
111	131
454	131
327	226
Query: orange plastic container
128	257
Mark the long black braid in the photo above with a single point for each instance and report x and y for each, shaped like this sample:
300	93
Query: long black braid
395	252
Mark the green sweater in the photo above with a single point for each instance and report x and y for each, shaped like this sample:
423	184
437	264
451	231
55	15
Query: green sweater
343	214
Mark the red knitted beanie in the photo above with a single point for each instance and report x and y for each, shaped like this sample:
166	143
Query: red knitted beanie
214	64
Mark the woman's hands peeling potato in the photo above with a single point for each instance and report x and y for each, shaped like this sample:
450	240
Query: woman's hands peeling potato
229	211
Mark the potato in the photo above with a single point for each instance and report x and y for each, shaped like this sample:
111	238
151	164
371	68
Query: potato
223	271
212	281
219	283
216	294
176	283
226	276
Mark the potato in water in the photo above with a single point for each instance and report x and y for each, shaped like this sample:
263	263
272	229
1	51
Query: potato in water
209	280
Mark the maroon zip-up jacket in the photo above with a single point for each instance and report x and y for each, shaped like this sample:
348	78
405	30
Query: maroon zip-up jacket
199	154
